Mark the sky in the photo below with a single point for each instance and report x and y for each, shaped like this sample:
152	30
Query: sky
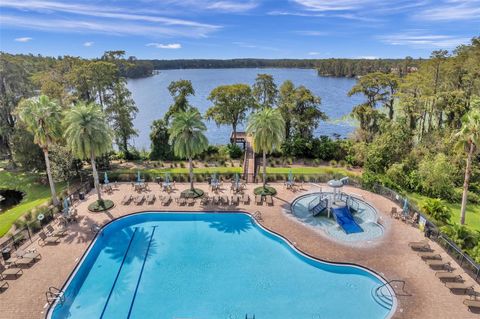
225	29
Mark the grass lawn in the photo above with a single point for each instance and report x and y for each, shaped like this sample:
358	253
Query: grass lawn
472	216
35	195
309	170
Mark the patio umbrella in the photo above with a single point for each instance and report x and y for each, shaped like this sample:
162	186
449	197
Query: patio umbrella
138	177
214	177
237	178
65	206
405	206
105	179
167	178
290	176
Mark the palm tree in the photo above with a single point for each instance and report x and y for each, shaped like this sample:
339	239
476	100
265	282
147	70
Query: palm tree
88	135
469	139
268	130
42	117
187	138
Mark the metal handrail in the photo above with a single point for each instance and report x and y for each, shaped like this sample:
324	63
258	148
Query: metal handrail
393	289
53	294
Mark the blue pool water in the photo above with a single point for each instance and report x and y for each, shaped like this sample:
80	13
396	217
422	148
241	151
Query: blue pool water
206	266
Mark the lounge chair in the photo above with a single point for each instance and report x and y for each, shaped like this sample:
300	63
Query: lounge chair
258	199
139	199
55	232
191	201
181	201
216	200
46	240
269	200
429	255
150	199
459	286
224	199
419	245
235	200
9	272
205	200
127	199
166	200
3	285
245	199
472	303
394	213
448	275
32	254
20	262
437	263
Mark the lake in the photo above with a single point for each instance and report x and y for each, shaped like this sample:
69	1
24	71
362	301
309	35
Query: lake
153	99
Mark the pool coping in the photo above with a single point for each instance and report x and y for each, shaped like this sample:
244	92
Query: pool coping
51	307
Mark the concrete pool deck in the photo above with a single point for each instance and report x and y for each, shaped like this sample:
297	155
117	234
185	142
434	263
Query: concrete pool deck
388	255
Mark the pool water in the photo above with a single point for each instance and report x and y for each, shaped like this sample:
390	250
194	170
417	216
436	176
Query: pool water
365	216
210	265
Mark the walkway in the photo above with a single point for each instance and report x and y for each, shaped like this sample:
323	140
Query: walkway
389	255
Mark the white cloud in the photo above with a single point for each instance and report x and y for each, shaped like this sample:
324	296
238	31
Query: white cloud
171	46
312	33
112	16
24	39
254	46
313	53
333	5
420	39
88	44
452	10
231	6
368	57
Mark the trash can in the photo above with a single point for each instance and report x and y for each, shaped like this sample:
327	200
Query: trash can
81	195
6	253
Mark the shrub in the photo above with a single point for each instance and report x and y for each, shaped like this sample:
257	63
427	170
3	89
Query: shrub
342	163
333	163
437	176
234	151
437	210
462	236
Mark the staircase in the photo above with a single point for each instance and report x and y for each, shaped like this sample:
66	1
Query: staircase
383	297
249	161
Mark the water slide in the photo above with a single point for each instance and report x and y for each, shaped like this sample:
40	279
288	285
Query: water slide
345	219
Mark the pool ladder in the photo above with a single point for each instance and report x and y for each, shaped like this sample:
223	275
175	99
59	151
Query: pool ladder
247	317
53	294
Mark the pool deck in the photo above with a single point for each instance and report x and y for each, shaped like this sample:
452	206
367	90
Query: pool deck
389	255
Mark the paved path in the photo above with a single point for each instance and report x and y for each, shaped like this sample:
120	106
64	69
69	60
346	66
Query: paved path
249	162
389	255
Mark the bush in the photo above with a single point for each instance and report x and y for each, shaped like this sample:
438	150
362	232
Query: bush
437	176
437	210
234	151
333	163
462	236
342	163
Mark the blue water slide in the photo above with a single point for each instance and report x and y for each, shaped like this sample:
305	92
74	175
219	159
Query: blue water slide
345	219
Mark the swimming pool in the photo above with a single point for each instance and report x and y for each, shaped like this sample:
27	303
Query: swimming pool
211	265
365	215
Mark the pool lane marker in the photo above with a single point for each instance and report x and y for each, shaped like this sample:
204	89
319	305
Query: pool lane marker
141	272
118	273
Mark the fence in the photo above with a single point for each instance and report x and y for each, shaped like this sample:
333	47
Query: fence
33	226
464	260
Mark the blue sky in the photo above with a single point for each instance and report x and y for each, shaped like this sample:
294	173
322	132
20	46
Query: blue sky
170	29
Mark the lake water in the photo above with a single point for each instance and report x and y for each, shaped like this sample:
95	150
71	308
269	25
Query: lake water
153	99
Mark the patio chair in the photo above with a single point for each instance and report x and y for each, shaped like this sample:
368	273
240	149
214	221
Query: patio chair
139	199
150	199
20	262
472	303
258	199
224	199
394	213
413	220
166	200
429	255
181	201
269	200
245	199
437	263
448	276
191	201
127	199
55	232
216	200
235	200
3	285
47	240
460	286
205	200
419	245
9	272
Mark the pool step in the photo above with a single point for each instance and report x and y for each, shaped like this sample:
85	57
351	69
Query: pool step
383	297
